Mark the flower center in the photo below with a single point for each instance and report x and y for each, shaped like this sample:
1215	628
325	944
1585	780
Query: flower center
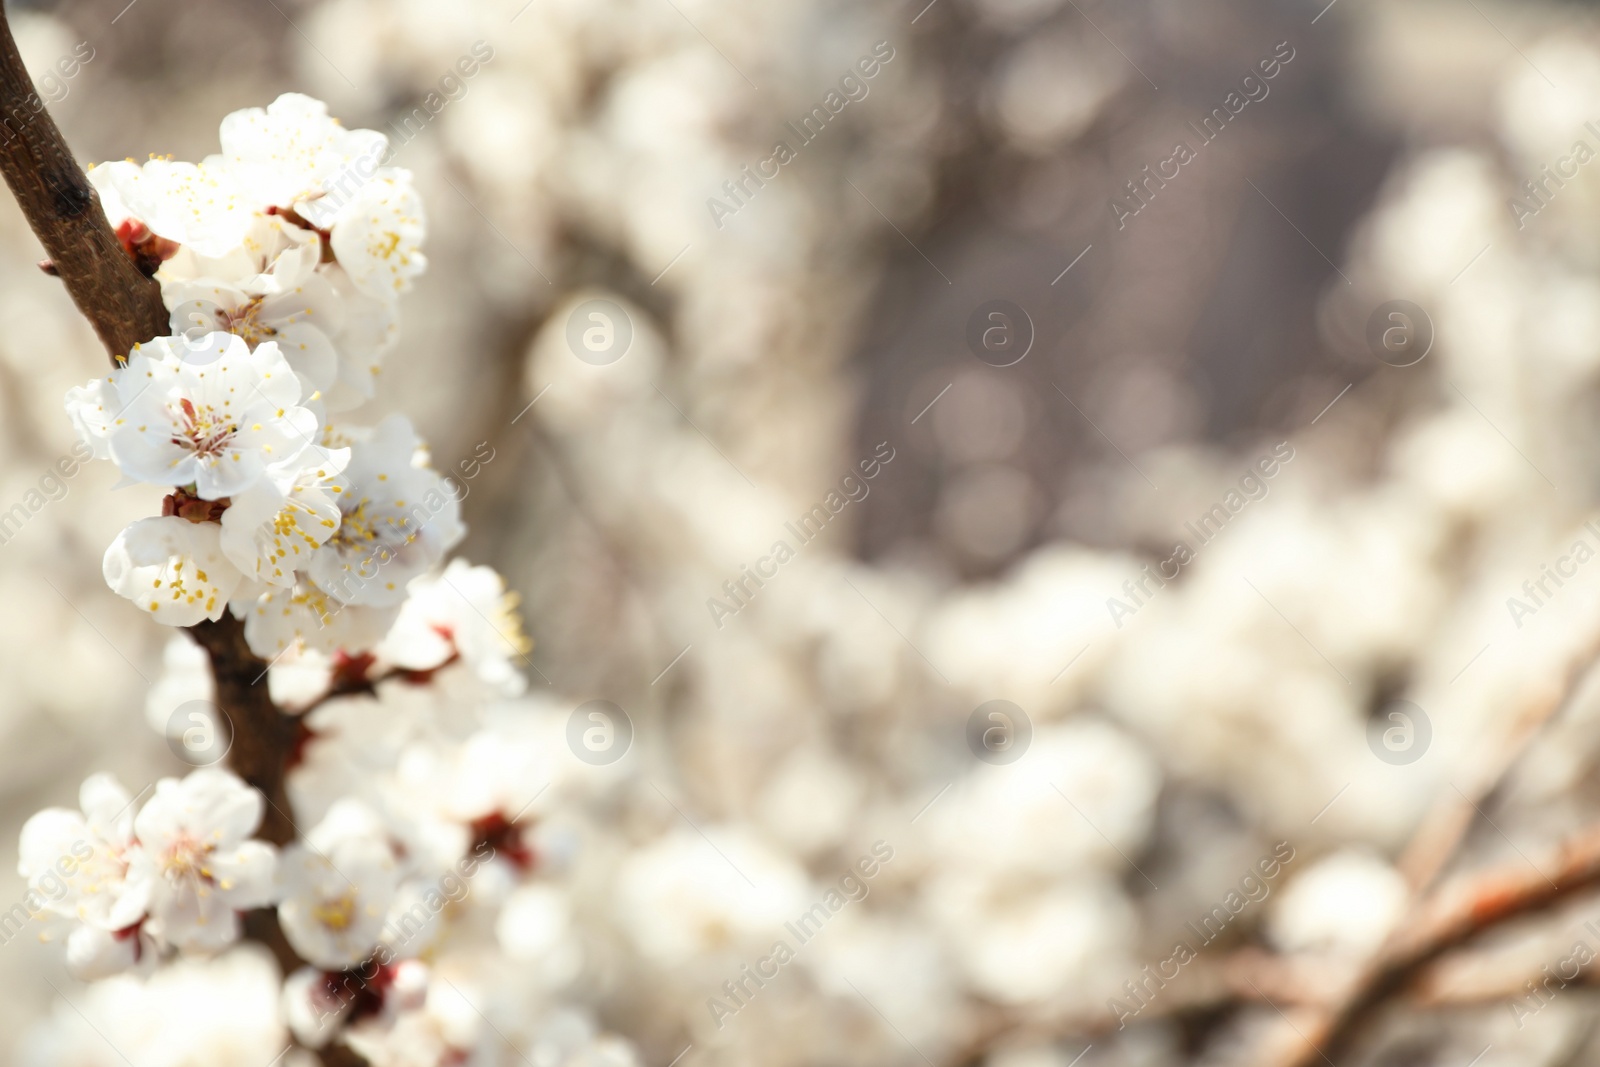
246	323
338	913
202	430
185	858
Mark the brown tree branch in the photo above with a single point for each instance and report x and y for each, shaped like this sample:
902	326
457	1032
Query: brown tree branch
1445	921
1435	843
120	302
1442	829
263	737
125	308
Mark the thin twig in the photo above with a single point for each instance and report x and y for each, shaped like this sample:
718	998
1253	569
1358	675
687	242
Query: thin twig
1435	843
1439	834
1449	918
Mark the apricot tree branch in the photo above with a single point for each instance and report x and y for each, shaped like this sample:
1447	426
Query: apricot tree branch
125	308
120	302
263	737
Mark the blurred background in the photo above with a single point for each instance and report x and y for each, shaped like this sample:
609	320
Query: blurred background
1209	356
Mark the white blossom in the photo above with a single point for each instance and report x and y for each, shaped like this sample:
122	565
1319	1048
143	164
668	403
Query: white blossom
271	529
76	864
338	887
305	616
378	236
371	330
199	205
93	408
399	519
172	568
196	860
464	611
287	303
211	413
293	155
292	152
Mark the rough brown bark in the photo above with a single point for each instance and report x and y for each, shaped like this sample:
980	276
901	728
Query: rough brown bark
263	737
122	305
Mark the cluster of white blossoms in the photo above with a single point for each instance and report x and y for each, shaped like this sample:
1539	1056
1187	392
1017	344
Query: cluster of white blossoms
117	885
281	262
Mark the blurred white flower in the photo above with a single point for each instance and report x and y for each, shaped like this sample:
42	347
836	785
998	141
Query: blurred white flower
465	612
185	678
536	928
228	1006
77	866
337	888
1344	903
682	896
1084	786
